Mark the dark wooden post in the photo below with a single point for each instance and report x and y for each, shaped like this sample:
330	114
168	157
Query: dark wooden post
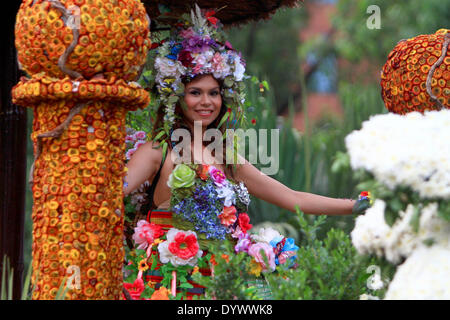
13	142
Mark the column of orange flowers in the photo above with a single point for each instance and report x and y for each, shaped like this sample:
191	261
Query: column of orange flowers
78	134
416	76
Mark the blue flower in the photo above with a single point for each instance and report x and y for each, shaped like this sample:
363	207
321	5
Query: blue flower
202	210
287	253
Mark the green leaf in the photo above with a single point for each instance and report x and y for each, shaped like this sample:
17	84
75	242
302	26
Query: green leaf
224	118
415	219
228	82
390	217
186	285
159	135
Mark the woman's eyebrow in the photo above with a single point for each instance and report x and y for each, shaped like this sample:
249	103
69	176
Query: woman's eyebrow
195	88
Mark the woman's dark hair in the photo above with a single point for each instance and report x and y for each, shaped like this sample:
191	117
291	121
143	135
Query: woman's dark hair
180	123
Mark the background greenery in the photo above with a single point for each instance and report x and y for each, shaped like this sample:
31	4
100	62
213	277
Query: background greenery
274	52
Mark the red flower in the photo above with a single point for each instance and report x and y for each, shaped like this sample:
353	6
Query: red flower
209	16
184	247
203	172
243	222
253	121
364	194
185	58
228	216
135	289
212	260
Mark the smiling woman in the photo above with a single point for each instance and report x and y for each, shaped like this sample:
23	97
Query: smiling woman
203	100
199	79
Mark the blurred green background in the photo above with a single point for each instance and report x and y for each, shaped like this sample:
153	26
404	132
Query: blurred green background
322	63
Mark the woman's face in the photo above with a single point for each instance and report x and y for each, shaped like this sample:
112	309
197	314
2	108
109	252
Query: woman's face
203	100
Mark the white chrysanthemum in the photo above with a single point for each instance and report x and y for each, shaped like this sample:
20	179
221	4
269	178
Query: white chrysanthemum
424	275
266	235
372	235
371	231
366	296
410	150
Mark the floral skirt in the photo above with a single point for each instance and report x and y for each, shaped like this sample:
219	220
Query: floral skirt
163	218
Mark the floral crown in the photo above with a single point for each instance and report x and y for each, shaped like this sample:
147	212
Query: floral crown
197	46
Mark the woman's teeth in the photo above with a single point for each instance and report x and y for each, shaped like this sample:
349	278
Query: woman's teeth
204	113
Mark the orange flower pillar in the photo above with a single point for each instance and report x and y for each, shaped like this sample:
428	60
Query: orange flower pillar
416	76
78	136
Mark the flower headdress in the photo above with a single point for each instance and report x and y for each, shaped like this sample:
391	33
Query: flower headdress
197	46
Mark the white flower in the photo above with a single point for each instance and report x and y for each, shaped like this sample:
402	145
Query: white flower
239	70
366	296
168	68
266	235
424	275
227	192
410	150
181	248
371	231
372	235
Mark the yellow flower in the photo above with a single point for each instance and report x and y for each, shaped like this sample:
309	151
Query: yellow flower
143	266
196	269
255	268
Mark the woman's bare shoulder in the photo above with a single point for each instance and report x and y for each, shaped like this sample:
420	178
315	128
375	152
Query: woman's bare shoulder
149	151
143	165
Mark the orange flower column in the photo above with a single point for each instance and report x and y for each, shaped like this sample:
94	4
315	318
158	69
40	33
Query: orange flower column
416	76
79	136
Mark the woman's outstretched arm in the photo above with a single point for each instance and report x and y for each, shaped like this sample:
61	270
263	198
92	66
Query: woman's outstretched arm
270	190
143	165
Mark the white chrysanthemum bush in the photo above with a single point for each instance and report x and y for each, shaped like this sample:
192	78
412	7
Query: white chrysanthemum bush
404	160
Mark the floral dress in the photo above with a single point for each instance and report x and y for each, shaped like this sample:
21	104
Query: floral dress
171	245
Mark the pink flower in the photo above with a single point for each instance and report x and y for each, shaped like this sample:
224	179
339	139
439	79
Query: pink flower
135	289
145	233
228	216
217	176
258	250
139	135
197	68
130	153
187	33
139	143
243	244
220	68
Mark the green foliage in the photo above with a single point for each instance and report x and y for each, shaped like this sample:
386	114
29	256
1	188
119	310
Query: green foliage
6	290
231	275
329	168
327	269
270	50
399	20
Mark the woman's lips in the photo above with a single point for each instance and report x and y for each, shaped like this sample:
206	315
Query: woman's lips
204	113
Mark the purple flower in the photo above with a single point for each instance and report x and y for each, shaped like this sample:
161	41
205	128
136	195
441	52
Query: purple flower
243	244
